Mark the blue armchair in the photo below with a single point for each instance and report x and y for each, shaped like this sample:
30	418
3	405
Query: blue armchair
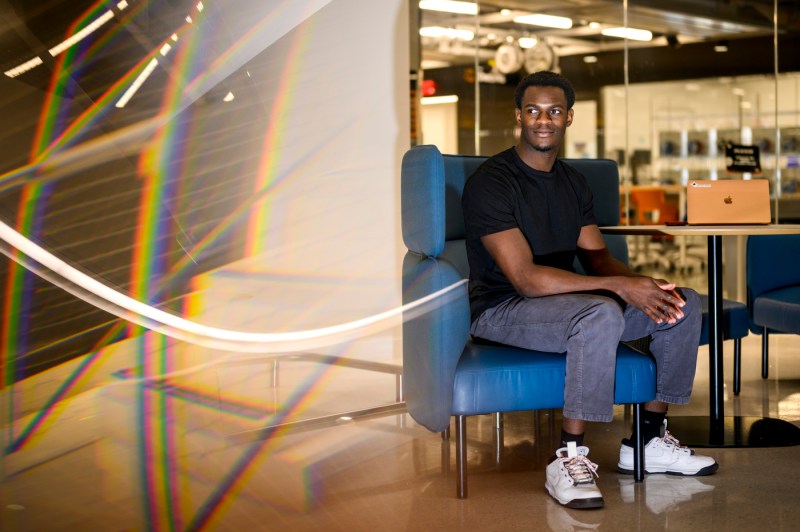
445	373
773	288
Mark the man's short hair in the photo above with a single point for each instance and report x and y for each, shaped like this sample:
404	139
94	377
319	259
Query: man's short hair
545	78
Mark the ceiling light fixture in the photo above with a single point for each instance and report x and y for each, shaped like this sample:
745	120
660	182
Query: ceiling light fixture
140	79
434	100
547	21
721	47
452	33
85	32
24	67
448	6
632	34
590	59
528	42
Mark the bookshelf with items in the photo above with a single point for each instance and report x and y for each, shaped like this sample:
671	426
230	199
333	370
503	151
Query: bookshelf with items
700	154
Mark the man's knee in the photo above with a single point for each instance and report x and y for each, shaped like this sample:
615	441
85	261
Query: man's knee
693	308
605	317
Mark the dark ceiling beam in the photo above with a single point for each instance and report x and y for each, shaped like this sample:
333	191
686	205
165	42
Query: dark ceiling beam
690	61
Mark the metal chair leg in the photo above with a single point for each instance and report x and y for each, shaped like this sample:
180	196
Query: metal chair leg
737	366
499	438
638	444
461	456
765	353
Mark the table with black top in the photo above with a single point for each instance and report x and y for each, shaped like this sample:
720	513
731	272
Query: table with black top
717	430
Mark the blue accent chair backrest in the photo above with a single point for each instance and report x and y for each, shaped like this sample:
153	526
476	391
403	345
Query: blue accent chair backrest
446	374
773	288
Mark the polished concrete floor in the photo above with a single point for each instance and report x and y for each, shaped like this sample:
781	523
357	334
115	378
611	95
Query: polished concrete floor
189	452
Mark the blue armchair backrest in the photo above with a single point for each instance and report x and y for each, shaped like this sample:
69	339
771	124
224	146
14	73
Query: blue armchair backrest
772	263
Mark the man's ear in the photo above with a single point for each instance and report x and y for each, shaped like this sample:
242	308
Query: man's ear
570	114
518	114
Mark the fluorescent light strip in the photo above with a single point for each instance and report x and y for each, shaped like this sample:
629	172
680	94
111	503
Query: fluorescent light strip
452	33
462	8
181	328
547	21
628	33
85	32
140	79
433	100
24	67
122	5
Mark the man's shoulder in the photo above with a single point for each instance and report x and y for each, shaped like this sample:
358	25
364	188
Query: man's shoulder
498	166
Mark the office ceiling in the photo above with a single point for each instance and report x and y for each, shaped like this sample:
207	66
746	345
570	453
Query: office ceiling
672	23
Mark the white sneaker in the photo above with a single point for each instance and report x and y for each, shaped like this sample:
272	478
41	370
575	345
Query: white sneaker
664	454
570	478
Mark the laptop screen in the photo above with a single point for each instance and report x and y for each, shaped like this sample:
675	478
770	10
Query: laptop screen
727	201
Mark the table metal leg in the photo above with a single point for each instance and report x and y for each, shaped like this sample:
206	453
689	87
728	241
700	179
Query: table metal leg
716	377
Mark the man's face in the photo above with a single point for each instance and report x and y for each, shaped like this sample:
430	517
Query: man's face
544	118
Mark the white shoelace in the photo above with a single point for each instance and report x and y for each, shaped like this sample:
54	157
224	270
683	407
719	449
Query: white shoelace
672	443
671	440
580	469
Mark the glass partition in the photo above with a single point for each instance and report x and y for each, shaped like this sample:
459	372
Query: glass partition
663	88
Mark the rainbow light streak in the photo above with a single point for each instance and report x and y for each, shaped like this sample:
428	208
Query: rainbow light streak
157	448
163	450
145	452
30	217
112	95
226	489
19	283
160	165
43	414
108	99
156	439
17	278
161	481
202	398
170	471
273	141
53	107
32	203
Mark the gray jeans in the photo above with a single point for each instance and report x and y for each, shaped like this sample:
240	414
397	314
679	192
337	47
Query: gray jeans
589	327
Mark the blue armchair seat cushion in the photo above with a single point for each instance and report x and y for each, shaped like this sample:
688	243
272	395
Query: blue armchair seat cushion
778	310
735	320
495	378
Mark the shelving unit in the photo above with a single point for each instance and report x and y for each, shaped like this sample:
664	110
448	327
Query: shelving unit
700	154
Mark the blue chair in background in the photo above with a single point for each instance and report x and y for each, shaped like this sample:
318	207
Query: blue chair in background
445	373
735	326
773	288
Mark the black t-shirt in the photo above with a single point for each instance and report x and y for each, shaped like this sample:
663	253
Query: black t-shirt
550	208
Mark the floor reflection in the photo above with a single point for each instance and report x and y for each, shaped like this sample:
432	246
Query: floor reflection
192	452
